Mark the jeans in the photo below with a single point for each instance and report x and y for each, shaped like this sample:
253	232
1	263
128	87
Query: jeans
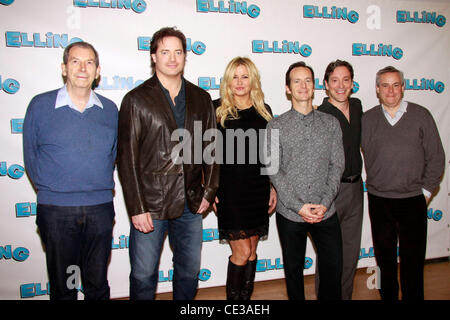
406	220
326	236
80	237
185	237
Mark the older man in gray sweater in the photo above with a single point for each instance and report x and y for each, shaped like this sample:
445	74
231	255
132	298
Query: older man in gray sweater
404	161
307	144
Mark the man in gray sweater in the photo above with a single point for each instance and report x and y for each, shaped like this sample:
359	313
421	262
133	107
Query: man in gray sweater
310	155
404	161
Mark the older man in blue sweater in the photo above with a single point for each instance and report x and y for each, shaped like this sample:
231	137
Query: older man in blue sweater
69	144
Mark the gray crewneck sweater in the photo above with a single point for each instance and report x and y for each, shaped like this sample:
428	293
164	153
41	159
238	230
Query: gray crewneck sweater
401	159
311	161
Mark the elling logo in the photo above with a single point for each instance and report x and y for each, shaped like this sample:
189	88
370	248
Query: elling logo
10	86
310	11
424	84
263	46
18	254
13	171
137	6
50	40
420	17
383	50
235	7
209	83
196	47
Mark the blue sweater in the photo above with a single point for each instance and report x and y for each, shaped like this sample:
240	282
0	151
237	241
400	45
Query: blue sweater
69	156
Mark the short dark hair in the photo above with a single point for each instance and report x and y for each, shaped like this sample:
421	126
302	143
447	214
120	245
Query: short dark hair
388	69
80	44
296	65
333	65
163	33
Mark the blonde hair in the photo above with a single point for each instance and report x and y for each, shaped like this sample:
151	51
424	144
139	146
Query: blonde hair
227	108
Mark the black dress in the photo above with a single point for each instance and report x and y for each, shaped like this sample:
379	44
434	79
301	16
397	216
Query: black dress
243	192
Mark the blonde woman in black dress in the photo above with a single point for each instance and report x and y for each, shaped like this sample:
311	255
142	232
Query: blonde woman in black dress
245	196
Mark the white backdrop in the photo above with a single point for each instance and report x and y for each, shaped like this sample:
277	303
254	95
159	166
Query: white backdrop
412	35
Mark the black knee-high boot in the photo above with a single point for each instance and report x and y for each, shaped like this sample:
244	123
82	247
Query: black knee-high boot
248	280
234	280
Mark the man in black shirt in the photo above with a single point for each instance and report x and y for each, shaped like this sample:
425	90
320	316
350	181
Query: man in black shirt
349	201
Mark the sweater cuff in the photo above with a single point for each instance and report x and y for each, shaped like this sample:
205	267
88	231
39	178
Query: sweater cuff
326	203
296	206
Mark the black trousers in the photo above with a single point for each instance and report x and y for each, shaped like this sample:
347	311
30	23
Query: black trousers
404	220
326	236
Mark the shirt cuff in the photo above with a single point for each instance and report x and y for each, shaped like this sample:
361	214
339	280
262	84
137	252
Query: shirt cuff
426	193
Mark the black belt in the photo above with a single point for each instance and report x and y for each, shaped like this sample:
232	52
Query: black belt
351	179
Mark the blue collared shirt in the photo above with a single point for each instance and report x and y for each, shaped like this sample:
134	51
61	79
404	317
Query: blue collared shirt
398	114
63	99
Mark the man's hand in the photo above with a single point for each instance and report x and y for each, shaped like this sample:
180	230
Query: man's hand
320	210
312	213
203	206
143	222
272	199
214	204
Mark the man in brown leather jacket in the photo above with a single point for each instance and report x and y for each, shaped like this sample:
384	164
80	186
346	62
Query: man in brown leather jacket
162	194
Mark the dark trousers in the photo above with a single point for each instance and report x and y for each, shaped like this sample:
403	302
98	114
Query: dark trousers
404	220
326	236
349	209
77	238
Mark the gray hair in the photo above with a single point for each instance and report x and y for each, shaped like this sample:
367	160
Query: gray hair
80	44
388	69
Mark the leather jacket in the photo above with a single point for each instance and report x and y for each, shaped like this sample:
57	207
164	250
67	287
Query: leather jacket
151	181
